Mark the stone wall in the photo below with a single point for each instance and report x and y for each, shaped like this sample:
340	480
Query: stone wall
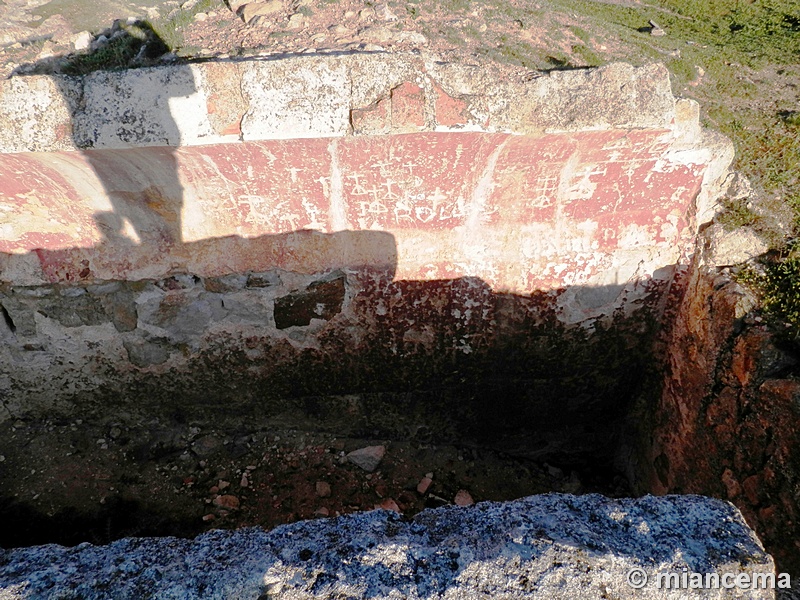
325	95
363	244
378	223
726	423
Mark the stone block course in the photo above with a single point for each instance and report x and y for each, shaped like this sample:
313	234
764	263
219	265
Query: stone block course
408	108
313	96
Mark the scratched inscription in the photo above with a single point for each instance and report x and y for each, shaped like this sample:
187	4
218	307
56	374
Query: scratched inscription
419	181
267	187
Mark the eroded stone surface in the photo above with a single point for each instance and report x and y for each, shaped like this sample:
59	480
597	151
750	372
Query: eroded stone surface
552	546
728	415
313	96
594	209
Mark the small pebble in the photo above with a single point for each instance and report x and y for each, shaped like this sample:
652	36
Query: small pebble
463	498
390	504
322	512
323	489
424	484
296	21
209	517
227	501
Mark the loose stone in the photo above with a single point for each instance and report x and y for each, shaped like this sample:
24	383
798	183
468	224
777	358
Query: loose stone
424	484
367	458
227	501
323	489
390	504
463	498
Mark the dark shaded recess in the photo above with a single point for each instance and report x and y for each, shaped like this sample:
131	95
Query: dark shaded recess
7	319
526	385
320	300
24	525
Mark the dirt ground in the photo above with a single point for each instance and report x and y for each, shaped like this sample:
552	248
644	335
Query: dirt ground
70	482
35	30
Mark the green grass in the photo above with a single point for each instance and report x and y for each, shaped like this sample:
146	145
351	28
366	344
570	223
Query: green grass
170	29
727	36
779	287
589	57
737	214
117	53
162	35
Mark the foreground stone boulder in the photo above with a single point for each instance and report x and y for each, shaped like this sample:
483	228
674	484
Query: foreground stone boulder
551	546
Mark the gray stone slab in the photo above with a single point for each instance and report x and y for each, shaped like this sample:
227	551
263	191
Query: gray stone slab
552	546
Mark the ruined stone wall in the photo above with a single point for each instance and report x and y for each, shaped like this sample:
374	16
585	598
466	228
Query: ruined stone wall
378	245
485	255
727	421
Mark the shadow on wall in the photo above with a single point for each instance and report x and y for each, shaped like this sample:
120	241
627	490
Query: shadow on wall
347	349
288	324
154	212
144	189
344	348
